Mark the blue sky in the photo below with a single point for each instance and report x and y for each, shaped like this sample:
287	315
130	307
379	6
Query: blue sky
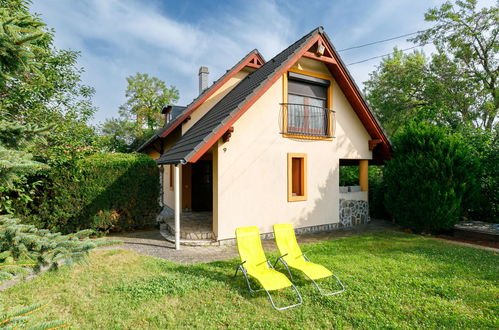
171	39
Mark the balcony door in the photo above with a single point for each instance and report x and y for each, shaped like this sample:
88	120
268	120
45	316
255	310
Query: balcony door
307	107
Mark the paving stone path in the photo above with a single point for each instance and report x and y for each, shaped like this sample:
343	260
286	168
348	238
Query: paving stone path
151	243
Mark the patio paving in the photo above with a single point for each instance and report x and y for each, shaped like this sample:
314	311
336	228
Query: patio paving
152	243
195	225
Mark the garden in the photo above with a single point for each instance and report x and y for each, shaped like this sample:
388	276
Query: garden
393	280
65	184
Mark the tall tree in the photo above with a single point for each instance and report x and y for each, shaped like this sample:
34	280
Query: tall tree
140	116
396	90
18	35
145	98
456	86
468	37
41	85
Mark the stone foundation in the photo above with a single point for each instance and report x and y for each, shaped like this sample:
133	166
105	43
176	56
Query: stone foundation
354	212
165	213
298	231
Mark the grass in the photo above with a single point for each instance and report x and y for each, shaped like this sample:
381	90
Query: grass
393	280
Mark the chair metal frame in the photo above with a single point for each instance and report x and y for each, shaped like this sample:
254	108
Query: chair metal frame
321	291
243	270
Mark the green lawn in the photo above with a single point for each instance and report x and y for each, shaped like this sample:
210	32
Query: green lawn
393	280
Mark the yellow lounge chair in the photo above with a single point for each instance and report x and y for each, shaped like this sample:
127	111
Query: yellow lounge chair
292	257
255	264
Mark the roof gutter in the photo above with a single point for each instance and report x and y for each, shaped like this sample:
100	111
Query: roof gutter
172	162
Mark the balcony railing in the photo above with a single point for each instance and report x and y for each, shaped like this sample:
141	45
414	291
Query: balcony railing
303	119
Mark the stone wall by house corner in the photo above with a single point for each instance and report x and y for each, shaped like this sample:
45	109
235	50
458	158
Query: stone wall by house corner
354	212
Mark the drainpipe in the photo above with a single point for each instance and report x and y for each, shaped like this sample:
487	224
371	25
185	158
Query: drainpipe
176	181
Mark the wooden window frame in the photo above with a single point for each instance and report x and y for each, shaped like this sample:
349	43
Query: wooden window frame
303	182
329	104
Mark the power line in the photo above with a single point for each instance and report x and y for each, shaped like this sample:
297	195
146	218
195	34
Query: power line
372	58
380	41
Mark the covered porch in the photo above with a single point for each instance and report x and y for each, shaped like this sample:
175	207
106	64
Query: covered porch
188	197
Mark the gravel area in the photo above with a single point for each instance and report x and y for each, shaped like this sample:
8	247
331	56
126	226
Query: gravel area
151	243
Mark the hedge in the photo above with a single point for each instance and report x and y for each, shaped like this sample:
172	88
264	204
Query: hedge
105	192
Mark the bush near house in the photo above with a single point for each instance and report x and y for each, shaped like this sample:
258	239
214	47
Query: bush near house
431	178
485	204
105	192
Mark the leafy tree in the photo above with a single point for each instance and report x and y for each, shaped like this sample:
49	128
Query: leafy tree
456	86
42	85
430	179
120	135
145	98
396	90
468	37
140	116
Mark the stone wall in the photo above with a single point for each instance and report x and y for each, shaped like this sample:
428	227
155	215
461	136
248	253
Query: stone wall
165	213
354	212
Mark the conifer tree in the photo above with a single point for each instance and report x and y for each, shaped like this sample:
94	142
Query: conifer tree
15	160
18	35
19	317
25	248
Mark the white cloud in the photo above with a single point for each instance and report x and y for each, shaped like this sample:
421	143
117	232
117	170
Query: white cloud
119	38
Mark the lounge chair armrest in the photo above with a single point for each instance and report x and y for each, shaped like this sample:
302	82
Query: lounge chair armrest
240	266
304	256
280	258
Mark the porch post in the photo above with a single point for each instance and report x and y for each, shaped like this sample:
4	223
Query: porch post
177	205
364	175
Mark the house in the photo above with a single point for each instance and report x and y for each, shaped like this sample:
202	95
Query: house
264	143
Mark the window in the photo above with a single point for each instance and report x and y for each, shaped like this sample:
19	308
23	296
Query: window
306	108
297	177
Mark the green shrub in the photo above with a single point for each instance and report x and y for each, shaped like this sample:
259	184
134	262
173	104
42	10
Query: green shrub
377	193
484	205
349	175
105	191
430	178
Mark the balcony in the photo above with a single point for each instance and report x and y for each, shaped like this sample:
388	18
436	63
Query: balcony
303	120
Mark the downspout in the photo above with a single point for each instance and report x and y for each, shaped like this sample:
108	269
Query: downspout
176	181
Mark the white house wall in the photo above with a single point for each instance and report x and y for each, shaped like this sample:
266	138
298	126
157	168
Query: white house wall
252	167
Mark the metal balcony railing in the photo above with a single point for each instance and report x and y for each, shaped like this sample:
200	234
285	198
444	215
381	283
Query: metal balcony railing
303	119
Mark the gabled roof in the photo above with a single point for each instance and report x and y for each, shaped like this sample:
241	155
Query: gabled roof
227	110
253	59
205	132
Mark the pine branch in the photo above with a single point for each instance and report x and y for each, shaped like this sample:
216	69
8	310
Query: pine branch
45	249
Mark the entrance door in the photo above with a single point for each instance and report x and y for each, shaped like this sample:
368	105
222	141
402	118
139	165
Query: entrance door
202	191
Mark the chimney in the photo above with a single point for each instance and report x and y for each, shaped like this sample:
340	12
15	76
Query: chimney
167	111
203	78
